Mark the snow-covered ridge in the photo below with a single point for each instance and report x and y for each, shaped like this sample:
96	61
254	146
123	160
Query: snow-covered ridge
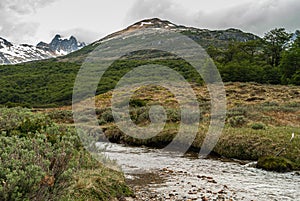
11	53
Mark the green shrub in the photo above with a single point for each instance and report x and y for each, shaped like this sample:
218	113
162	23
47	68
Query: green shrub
270	104
258	126
40	162
238	111
191	117
293	104
34	168
137	103
237	121
105	116
277	164
174	115
20	121
140	114
61	116
22	167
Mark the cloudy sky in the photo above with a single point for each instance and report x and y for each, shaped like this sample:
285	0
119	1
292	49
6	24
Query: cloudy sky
31	21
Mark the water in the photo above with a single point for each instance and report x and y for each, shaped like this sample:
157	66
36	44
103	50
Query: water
192	178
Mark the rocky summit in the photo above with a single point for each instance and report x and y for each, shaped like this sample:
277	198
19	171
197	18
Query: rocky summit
62	46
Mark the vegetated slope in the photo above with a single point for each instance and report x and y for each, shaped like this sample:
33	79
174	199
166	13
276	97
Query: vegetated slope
238	56
44	83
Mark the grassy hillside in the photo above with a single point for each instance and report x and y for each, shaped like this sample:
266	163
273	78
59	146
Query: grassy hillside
260	120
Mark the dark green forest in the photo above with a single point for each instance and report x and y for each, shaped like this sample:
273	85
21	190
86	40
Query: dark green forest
272	59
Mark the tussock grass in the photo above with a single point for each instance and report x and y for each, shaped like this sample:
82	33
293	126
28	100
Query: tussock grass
260	119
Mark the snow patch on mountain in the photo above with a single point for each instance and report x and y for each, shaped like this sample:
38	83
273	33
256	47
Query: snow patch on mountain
13	53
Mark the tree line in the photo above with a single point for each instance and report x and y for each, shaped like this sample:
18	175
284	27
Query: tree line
273	59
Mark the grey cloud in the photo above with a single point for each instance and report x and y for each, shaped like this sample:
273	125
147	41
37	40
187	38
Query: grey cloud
165	9
12	25
23	7
258	17
82	35
254	16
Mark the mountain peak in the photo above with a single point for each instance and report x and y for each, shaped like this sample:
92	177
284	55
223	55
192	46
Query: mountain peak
5	43
57	36
72	38
62	46
153	23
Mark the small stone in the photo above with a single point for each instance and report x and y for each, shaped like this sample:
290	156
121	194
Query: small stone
122	199
204	198
221	192
212	181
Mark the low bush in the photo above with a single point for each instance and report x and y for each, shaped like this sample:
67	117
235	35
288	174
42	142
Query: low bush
277	164
61	116
19	121
137	103
258	126
237	121
238	111
39	160
107	116
35	168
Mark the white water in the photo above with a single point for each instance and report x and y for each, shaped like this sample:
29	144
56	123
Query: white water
240	182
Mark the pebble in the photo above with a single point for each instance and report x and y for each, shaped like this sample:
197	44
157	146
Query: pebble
177	189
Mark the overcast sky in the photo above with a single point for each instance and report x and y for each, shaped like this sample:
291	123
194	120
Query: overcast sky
31	21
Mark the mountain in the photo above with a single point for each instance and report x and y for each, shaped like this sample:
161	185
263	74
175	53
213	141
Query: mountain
12	53
50	82
204	37
62	46
295	36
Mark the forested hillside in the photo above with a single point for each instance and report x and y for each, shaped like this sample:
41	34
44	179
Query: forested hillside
273	59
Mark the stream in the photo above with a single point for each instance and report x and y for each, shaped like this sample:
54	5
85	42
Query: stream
159	175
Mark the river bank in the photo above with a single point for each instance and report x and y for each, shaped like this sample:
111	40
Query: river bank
259	122
159	175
